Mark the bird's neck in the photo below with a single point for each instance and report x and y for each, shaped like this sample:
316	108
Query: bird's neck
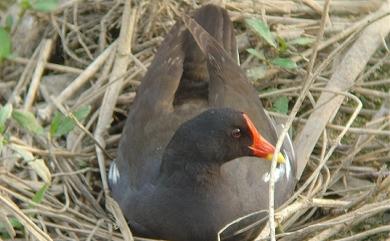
184	169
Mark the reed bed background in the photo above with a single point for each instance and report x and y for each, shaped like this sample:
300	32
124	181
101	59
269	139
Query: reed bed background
72	74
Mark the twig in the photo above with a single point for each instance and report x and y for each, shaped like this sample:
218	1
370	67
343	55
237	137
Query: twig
79	125
129	19
51	66
94	230
353	130
342	79
26	221
6	223
337	140
46	152
365	234
308	82
313	5
371	93
112	93
121	221
315	173
350	29
78	82
351	218
25	75
317	8
40	67
300	204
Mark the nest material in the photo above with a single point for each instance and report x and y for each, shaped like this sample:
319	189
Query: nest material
84	50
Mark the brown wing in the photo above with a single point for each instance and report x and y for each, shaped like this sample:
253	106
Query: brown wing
229	86
174	89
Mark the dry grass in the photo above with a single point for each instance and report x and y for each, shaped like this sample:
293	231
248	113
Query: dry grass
96	52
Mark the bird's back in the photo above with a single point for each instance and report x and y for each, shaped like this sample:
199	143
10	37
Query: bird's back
175	89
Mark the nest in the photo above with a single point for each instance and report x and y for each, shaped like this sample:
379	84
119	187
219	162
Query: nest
76	70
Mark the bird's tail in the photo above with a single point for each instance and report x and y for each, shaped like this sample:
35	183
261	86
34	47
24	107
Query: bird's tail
195	80
215	20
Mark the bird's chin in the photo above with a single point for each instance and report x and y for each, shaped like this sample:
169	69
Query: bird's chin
266	155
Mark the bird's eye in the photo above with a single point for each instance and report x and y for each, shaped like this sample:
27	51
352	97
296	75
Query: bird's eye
236	133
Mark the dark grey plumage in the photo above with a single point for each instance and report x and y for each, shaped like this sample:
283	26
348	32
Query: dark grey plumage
195	69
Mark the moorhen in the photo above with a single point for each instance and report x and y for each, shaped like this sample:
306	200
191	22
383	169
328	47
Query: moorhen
192	155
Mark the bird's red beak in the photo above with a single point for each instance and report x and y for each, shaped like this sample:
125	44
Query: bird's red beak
261	147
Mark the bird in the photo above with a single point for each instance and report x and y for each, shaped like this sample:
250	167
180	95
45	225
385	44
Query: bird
195	150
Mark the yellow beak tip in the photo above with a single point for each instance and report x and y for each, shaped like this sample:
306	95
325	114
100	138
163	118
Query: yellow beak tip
280	158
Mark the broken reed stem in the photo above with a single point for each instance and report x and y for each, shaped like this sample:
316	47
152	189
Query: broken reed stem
303	203
71	89
23	78
40	67
50	66
352	130
123	50
112	92
365	234
351	218
33	229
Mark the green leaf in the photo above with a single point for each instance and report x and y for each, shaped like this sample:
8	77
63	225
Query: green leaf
282	45
5	44
15	223
1	142
83	164
258	54
82	113
62	125
302	41
9	22
12	222
45	5
281	105
257	72
55	123
4	140
284	63
262	30
25	4
27	120
38	197
5	113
